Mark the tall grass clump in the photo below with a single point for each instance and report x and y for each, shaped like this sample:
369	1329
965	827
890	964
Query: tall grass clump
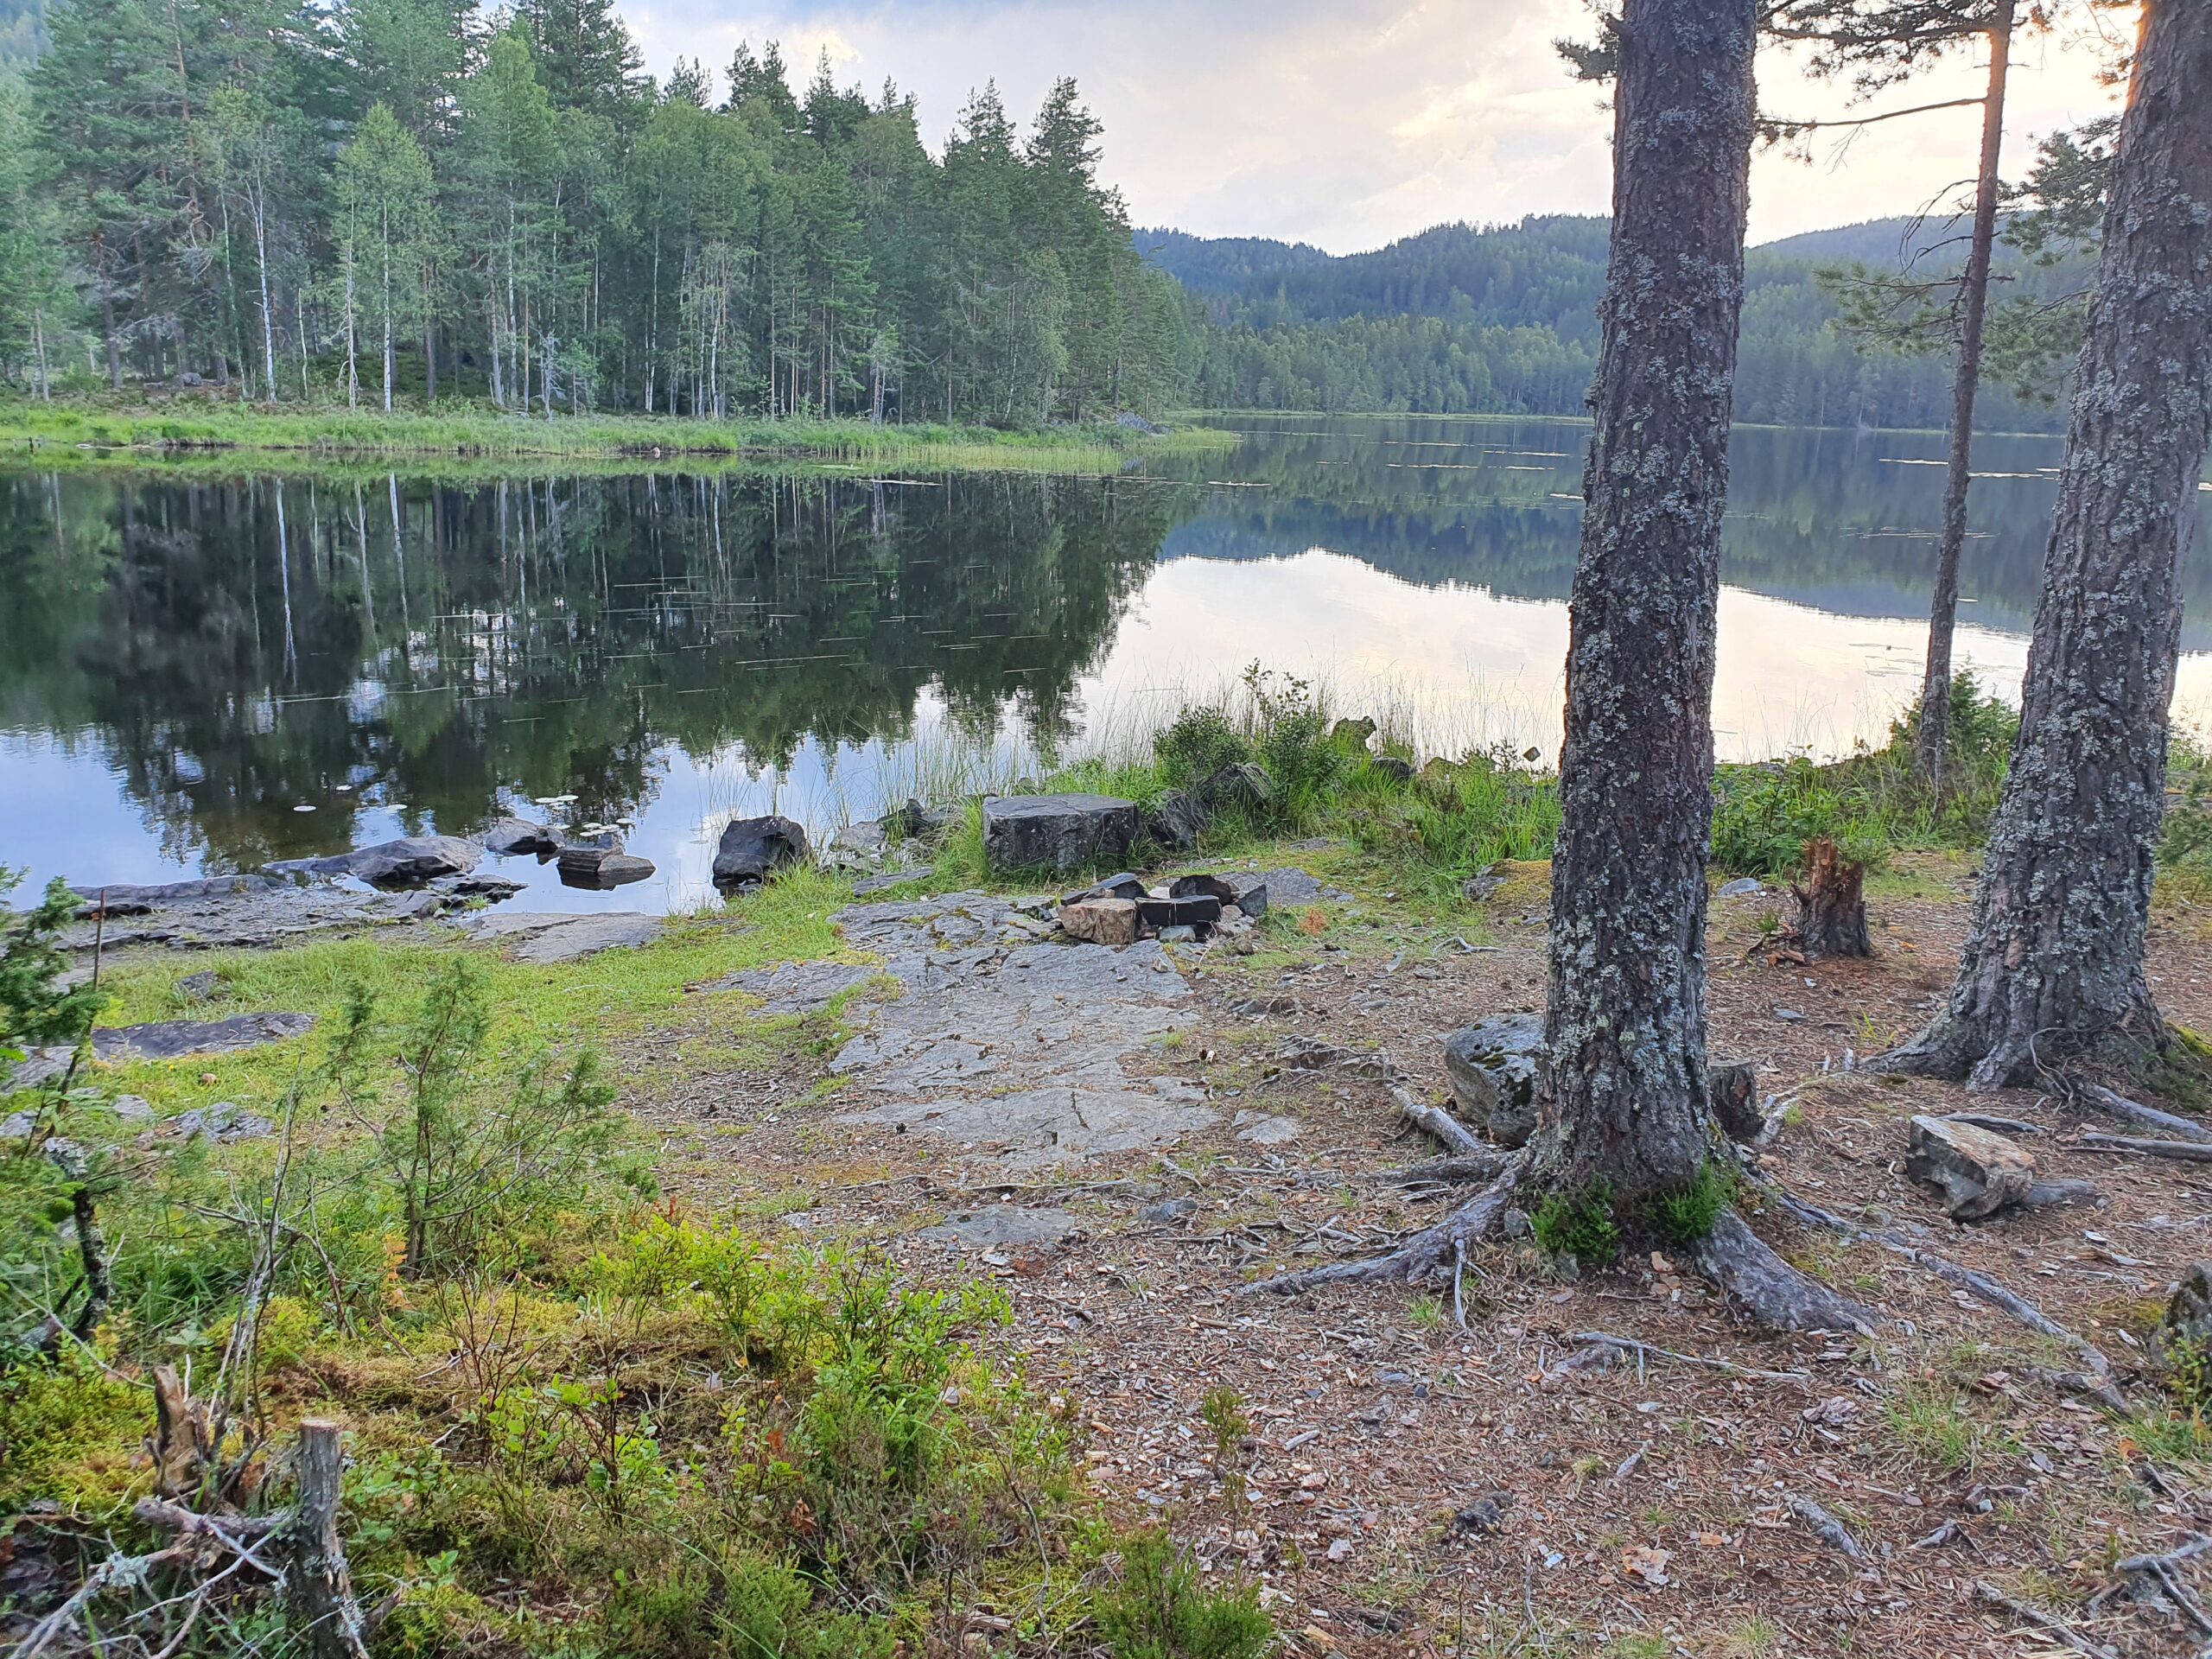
1872	803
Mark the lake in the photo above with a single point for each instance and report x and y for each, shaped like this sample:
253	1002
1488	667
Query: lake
203	670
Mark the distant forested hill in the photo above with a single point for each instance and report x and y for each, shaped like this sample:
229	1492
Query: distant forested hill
22	31
1466	318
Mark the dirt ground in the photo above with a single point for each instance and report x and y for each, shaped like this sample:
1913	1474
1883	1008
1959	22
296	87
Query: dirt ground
1409	1485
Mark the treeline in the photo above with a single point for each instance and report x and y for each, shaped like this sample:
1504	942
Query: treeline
374	199
1465	318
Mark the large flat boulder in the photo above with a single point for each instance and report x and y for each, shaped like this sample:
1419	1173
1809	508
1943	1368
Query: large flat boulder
1058	832
753	849
167	1039
1978	1171
410	862
1492	1067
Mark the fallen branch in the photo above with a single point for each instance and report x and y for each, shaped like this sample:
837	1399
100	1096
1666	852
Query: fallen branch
1996	1125
1825	1527
2038	1619
2187	1152
1447	1130
1644	1350
2165	1584
1474	1167
115	1570
2081	1091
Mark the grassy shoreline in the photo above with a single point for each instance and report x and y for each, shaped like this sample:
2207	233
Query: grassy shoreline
135	431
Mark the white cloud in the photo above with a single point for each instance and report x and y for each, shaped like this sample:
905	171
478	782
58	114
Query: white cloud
1352	124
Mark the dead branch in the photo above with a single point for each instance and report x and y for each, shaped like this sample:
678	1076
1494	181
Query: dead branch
2056	1628
2084	1092
1825	1527
1475	1167
116	1572
2154	1576
1644	1350
2186	1152
1995	1125
1448	1130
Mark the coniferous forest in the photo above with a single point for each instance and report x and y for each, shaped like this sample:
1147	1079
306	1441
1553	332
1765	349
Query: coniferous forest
381	201
388	199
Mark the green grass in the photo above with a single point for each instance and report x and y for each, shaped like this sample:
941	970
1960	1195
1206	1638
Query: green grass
98	429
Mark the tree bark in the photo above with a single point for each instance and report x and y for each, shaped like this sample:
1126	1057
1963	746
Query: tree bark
1831	905
318	1584
2053	964
1943	606
1625	1097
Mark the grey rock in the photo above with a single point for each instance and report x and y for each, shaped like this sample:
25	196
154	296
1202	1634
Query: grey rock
1177	933
132	1108
1477	888
1486	1515
550	936
612	870
868	839
226	1121
753	849
1199	910
584	855
167	1039
1016	1050
1244	784
1252	895
1000	1225
797	987
509	836
410	862
132	898
1515	1224
2185	1332
868	884
1492	1066
1058	832
1292	889
1179	820
1788	1016
1352	733
1390	766
1133	423
1121	886
201	987
1266	1128
1742	888
492	887
1169	1210
1978	1171
914	822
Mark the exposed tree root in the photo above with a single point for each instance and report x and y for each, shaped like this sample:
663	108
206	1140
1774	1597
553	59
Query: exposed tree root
1426	1252
2093	1381
1604	1342
2057	1629
1470	1168
2084	1092
1824	1526
1767	1287
2187	1152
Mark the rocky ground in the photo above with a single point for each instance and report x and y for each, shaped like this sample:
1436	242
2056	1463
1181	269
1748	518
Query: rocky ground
1135	1141
1127	1140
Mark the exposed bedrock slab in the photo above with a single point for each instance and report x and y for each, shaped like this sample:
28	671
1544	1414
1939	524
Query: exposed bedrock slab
797	987
545	936
1058	832
168	1040
1011	1045
1001	1226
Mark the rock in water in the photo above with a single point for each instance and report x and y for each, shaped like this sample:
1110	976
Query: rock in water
411	862
1492	1068
1101	921
1058	832
1978	1171
753	849
613	870
512	835
580	860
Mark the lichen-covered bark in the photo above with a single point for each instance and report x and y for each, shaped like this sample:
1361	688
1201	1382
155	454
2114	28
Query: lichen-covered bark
1625	1037
2053	966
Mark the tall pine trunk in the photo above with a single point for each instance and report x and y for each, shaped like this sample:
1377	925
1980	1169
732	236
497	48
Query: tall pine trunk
1625	1104
2053	966
1943	606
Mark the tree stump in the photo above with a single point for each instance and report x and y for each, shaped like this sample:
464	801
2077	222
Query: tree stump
321	1590
1831	903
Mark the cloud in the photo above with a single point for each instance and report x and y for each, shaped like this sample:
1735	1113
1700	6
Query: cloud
1350	124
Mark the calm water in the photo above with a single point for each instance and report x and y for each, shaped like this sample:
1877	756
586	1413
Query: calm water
204	672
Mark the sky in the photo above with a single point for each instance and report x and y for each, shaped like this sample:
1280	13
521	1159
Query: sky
1349	123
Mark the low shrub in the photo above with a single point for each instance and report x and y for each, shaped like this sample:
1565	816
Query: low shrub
1160	1610
1578	1224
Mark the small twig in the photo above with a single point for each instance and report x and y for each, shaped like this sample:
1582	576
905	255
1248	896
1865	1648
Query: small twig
1629	1344
1458	1271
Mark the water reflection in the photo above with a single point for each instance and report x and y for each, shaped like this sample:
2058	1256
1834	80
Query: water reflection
213	671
